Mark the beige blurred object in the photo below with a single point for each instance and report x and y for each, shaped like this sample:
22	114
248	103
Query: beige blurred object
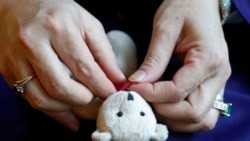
125	51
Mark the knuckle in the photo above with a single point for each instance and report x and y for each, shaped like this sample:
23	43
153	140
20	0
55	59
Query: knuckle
195	116
94	28
153	60
38	104
55	23
55	93
214	65
228	71
57	89
207	125
97	24
220	61
160	28
84	70
178	97
165	33
24	37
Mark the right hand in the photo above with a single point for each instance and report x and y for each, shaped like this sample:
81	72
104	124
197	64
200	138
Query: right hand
37	36
185	102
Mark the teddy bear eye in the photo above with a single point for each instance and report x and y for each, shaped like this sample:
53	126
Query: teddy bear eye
142	113
119	114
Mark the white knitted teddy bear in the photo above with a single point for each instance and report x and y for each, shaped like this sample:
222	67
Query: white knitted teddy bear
126	116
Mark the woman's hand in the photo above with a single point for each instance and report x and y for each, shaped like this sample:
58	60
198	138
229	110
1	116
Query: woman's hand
192	30
38	38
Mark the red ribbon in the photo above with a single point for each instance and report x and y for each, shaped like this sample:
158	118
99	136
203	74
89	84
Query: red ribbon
124	85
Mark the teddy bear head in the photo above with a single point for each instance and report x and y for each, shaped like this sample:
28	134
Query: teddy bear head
126	115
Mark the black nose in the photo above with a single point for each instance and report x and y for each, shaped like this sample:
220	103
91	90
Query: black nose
130	96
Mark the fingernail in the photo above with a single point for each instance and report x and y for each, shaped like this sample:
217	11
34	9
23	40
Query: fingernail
137	76
73	124
74	127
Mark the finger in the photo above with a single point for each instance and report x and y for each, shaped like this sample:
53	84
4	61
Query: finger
164	37
179	88
103	53
208	123
195	106
39	99
162	91
53	76
81	63
89	111
185	82
94	34
66	118
34	92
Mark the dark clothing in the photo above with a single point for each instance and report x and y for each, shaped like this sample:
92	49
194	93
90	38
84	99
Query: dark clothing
19	122
243	7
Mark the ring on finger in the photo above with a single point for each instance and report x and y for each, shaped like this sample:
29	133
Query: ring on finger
224	108
20	86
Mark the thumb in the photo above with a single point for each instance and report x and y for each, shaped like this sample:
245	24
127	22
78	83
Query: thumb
156	60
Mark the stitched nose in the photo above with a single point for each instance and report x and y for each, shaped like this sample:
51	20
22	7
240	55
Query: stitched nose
130	96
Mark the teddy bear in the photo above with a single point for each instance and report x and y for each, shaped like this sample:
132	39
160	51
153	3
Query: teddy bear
124	115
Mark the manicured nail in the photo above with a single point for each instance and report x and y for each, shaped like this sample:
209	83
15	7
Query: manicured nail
137	76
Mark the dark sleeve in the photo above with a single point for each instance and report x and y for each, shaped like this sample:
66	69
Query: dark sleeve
243	6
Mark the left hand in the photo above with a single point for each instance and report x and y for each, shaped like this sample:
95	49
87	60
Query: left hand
192	30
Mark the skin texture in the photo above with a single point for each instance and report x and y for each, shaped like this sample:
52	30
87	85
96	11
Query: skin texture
37	36
194	33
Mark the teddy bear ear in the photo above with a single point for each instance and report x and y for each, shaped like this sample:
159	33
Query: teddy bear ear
101	136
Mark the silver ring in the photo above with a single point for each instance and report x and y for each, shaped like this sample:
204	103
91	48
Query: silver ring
20	86
224	108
